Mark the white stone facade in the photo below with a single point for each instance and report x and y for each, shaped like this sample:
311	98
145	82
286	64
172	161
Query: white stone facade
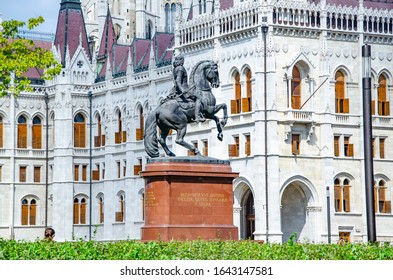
300	35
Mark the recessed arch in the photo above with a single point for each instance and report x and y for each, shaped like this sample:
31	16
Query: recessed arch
244	198
297	197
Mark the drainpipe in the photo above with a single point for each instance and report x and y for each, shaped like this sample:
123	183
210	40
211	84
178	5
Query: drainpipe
265	29
90	95
46	98
12	159
329	232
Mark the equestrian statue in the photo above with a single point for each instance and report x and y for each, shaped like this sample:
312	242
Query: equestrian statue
190	101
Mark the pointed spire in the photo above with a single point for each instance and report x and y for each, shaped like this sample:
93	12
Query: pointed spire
70	27
130	65
152	55
67	61
108	38
108	72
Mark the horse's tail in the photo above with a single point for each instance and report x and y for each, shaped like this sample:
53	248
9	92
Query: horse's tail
150	137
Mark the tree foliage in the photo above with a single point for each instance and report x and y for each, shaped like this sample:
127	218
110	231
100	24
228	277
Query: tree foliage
18	55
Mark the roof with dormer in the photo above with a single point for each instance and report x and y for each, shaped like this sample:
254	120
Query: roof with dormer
116	56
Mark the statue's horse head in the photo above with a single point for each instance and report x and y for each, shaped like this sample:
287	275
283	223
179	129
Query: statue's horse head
205	75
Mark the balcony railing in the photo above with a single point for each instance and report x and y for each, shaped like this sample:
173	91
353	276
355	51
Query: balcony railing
292	14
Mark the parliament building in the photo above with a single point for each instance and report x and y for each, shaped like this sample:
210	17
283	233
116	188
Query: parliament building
290	74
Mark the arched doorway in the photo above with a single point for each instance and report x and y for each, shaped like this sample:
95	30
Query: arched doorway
299	211
249	216
293	212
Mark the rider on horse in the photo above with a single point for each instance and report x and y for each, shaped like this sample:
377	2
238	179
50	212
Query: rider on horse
182	90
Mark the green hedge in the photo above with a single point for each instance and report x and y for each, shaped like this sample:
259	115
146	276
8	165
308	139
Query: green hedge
189	250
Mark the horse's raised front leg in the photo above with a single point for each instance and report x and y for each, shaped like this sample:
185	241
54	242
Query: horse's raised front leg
180	140
164	133
219	127
222	107
220	123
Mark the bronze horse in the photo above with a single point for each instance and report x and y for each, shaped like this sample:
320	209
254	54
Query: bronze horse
175	113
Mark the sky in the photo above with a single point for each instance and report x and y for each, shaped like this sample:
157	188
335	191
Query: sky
25	9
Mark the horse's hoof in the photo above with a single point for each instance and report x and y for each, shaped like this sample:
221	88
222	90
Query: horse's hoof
171	155
219	137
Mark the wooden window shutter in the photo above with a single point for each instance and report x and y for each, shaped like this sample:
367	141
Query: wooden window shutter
137	169
339	87
124	136
232	150
248	145
139	134
1	135
33	213
103	140
373	107
382	194
381	92
76	172
234	107
375	200
382	199
96	175
388	207
117	138
97	141
238	92
82	135
76	135
295	144
22	136
387	108
76	212
37	174
84	172
101	211
380	111
118	169
337	198
350	150
296	102
22	174
346	106
79	135
119	216
37	136
205	148
83	213
347	202
336	146
246	104
382	148
25	214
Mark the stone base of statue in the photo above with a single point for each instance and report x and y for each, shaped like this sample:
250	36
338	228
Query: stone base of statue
188	198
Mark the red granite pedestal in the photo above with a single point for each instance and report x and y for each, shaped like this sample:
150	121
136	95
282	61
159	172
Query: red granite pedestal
188	198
